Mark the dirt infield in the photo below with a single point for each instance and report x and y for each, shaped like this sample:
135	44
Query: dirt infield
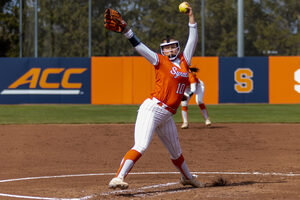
235	161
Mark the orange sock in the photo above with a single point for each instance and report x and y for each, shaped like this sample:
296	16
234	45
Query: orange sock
132	156
181	165
202	106
203	110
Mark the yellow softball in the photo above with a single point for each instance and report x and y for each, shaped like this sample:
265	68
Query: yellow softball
183	7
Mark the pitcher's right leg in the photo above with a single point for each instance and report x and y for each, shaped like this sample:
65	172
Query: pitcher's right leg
167	133
143	133
126	165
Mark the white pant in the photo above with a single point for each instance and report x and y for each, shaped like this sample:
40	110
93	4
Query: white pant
154	118
199	93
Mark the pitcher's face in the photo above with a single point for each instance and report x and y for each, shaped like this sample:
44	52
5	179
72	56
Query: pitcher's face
170	50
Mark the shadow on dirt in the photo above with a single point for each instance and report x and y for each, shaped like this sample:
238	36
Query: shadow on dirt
155	192
218	183
214	127
221	182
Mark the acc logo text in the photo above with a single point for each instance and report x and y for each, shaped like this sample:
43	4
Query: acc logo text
38	78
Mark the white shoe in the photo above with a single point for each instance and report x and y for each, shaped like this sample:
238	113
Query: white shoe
193	182
117	183
207	122
185	125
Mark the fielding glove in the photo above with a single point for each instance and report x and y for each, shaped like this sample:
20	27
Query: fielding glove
113	21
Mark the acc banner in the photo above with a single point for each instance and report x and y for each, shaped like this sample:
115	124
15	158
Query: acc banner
244	80
45	80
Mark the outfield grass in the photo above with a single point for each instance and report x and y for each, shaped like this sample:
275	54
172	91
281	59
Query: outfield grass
94	114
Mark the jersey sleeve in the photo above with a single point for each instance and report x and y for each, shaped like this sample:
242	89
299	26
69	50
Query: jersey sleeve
150	55
141	48
191	44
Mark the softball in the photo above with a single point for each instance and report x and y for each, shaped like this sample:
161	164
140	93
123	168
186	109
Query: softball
183	7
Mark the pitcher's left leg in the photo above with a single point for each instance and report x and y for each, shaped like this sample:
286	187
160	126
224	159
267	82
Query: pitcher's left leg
143	132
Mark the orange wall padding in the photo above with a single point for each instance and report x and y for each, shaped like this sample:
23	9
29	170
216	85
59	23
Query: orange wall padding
130	80
284	79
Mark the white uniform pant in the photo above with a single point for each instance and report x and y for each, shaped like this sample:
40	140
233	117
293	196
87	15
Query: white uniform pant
199	93
154	118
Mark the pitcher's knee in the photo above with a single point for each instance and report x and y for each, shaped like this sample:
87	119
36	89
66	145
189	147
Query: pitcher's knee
139	148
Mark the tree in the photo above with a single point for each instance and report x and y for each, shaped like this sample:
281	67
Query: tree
9	29
63	28
276	30
270	26
221	28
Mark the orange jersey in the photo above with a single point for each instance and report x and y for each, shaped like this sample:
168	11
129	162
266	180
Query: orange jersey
170	81
192	78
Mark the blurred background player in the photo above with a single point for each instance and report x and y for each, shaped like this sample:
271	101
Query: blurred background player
156	113
196	86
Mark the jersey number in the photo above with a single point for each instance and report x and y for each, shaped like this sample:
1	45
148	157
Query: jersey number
180	88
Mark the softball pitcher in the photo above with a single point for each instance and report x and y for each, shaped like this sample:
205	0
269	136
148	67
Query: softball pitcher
196	86
155	113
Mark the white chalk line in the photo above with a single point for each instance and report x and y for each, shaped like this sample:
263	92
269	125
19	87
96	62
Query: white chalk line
153	173
140	192
42	198
139	189
291	174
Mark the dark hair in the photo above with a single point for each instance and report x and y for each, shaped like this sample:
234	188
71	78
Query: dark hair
194	69
167	39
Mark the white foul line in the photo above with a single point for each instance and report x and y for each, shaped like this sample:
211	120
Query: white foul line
134	173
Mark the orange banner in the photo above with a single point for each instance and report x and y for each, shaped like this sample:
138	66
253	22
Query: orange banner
130	80
284	80
209	74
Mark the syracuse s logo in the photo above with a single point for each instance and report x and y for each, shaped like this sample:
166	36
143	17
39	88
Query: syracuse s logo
243	80
36	77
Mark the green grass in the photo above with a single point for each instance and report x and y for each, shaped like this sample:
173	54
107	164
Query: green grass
248	113
93	114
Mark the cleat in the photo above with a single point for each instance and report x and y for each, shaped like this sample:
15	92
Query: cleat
193	182
185	125
117	183
207	122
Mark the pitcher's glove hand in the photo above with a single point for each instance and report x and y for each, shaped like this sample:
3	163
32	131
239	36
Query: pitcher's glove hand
113	21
